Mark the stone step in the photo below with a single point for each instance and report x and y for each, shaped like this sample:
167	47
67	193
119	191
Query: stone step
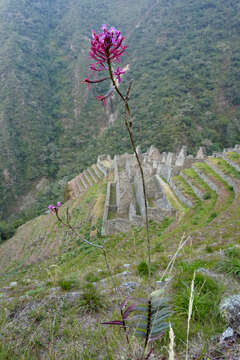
171	196
226	178
87	178
96	171
230	162
90	171
101	168
79	184
163	202
187	202
83	181
74	188
195	189
90	175
206	179
107	206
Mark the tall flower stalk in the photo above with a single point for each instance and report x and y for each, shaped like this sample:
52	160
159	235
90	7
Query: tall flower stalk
106	50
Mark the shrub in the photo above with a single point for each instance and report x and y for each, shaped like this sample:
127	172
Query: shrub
232	252
68	283
142	269
91	300
230	266
211	217
92	277
207	196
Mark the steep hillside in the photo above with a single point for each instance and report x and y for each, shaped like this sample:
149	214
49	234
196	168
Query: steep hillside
184	60
55	290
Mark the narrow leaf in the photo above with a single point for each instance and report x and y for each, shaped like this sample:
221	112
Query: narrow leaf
114	322
140	333
141	326
142	308
129	310
148	355
160	328
124	303
156	337
159	321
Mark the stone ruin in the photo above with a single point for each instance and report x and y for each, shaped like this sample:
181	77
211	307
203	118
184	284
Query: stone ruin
124	203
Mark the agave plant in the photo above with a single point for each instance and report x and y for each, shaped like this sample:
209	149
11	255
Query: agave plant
147	318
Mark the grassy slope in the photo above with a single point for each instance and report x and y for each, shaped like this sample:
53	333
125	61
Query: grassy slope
49	256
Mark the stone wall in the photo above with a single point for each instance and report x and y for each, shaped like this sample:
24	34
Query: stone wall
196	191
226	178
207	180
179	194
231	163
106	210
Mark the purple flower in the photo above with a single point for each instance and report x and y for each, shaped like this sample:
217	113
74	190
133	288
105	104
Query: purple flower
54	208
118	73
106	47
106	96
51	208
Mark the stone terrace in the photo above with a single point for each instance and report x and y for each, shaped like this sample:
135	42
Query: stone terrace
164	173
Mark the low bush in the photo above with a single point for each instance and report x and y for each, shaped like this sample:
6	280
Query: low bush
91	300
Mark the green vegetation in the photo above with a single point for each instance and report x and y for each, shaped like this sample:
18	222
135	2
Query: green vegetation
234	157
186	189
225	167
91	301
198	182
46	48
207	295
229	195
231	264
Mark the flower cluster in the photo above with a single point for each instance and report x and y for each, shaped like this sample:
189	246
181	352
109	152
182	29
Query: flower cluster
54	208
106	47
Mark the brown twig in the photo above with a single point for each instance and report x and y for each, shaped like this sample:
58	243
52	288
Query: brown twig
128	124
101	247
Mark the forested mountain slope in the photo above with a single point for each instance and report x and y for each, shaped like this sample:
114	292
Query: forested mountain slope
183	56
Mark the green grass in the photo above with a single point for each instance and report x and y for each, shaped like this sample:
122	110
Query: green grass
91	301
207	295
231	264
186	189
225	167
68	283
151	202
235	157
197	181
208	171
112	200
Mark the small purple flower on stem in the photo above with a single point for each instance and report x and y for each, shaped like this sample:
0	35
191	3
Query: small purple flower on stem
118	72
54	208
106	96
102	98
